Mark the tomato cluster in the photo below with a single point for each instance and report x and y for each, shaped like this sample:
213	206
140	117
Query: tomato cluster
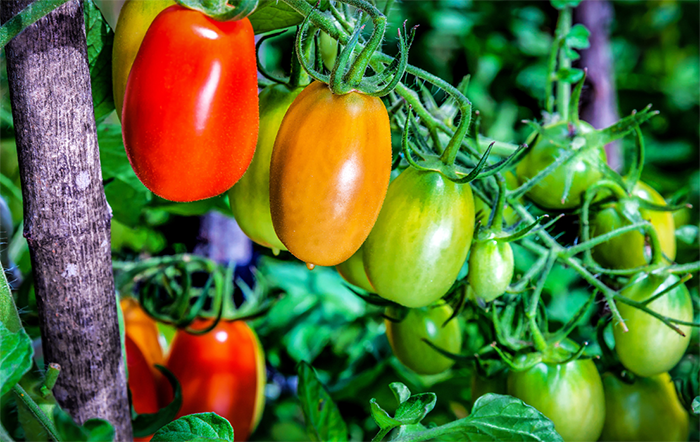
222	371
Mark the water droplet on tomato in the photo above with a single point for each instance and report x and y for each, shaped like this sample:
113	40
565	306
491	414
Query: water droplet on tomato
275	251
310	266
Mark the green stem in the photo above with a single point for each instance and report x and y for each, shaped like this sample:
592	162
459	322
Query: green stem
36	411
563	88
27	17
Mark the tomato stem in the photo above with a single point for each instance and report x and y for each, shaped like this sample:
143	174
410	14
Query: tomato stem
37	412
563	88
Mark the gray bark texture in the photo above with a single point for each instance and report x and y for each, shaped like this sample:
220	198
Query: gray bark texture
66	216
599	97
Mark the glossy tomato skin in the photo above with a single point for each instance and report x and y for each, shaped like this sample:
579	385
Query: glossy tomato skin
581	171
329	173
570	395
134	19
353	271
222	371
628	250
190	116
250	197
649	347
490	268
421	238
647	410
144	391
406	338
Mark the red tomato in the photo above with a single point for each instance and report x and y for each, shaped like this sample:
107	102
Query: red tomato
144	393
190	116
222	371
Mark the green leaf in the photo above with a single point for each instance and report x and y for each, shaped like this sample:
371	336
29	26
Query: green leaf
688	235
8	310
15	357
569	75
562	4
271	15
99	50
323	420
578	37
696	405
145	424
401	392
196	427
92	430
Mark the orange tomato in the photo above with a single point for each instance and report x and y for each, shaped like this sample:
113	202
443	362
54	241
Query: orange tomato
142	330
329	173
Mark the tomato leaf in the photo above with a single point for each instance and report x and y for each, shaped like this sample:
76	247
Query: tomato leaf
561	4
323	420
145	424
273	14
196	427
8	310
91	430
99	50
569	75
578	37
15	357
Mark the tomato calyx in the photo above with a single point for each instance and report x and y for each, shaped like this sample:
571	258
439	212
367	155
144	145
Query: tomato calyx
221	10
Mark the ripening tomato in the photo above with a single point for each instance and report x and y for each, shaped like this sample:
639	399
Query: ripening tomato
250	197
490	268
421	238
570	395
222	371
648	409
406	338
353	271
144	392
190	116
629	250
134	19
581	171
650	347
329	173
143	331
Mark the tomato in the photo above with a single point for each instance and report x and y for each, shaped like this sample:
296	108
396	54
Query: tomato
353	271
222	371
582	171
134	19
482	210
329	50
329	173
629	250
490	268
421	238
142	330
570	395
649	410
650	347
190	116
250	197
406	338
144	392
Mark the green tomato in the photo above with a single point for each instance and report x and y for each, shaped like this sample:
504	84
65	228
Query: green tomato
406	338
353	271
650	347
421	238
329	50
490	268
570	395
648	410
250	196
628	251
581	171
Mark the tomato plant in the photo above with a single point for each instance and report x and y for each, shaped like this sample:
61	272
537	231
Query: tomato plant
222	371
482	211
564	187
329	173
250	197
569	394
416	264
647	409
629	250
134	19
490	268
430	323
650	347
182	136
